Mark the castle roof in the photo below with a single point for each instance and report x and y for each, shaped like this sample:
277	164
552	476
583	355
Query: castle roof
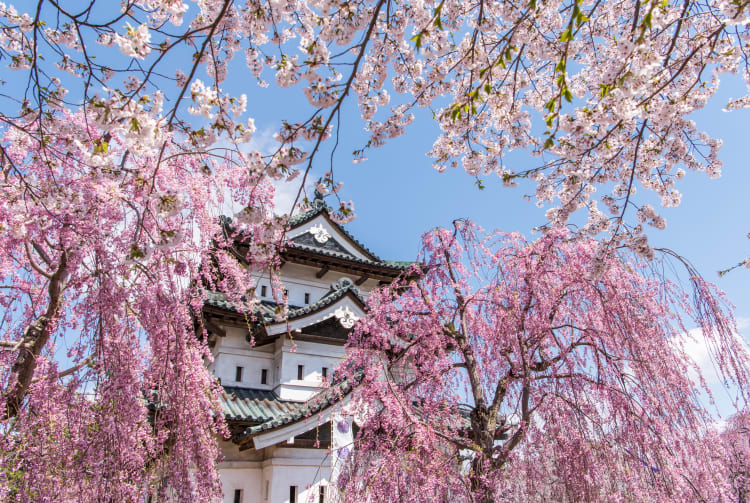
314	238
269	412
256	406
266	312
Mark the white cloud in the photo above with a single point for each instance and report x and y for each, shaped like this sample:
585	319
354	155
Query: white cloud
262	141
285	194
285	191
694	345
696	348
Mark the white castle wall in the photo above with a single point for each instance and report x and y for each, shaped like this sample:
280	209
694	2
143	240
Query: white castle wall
233	351
266	476
313	357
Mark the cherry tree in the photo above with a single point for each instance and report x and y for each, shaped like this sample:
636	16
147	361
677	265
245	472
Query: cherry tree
121	144
736	436
600	91
105	393
514	371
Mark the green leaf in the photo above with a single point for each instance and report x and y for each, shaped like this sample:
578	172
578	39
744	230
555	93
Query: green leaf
101	147
647	19
417	39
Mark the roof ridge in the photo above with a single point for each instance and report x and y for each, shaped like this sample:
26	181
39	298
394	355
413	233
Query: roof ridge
319	206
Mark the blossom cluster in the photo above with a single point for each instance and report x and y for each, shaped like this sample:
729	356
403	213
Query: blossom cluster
501	370
109	252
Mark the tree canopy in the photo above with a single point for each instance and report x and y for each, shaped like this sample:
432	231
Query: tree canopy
120	149
508	372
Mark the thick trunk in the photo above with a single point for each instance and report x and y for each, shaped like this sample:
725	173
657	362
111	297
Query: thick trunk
481	492
34	339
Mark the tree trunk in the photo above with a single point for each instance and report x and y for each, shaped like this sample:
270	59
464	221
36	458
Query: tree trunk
34	339
480	492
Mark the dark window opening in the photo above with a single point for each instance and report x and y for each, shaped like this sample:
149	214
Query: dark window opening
264	376
300	372
322	494
292	494
238	374
325	372
263	291
238	496
307	298
286	293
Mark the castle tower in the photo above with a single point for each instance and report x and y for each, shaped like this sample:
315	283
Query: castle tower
274	401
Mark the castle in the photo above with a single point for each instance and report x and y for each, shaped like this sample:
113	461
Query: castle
274	399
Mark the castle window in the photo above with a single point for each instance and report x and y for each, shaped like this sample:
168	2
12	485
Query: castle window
324	371
265	497
322	494
238	374
263	291
300	372
264	376
292	494
307	298
238	496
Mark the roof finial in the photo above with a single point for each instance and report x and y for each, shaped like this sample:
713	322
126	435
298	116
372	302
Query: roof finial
318	203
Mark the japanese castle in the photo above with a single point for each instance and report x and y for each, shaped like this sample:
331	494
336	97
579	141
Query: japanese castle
275	402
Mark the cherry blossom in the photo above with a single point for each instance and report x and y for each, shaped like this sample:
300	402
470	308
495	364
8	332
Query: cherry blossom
107	257
121	146
600	92
736	438
501	371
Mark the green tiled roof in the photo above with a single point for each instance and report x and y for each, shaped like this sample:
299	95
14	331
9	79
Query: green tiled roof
318	207
299	411
339	289
394	264
267	310
254	405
